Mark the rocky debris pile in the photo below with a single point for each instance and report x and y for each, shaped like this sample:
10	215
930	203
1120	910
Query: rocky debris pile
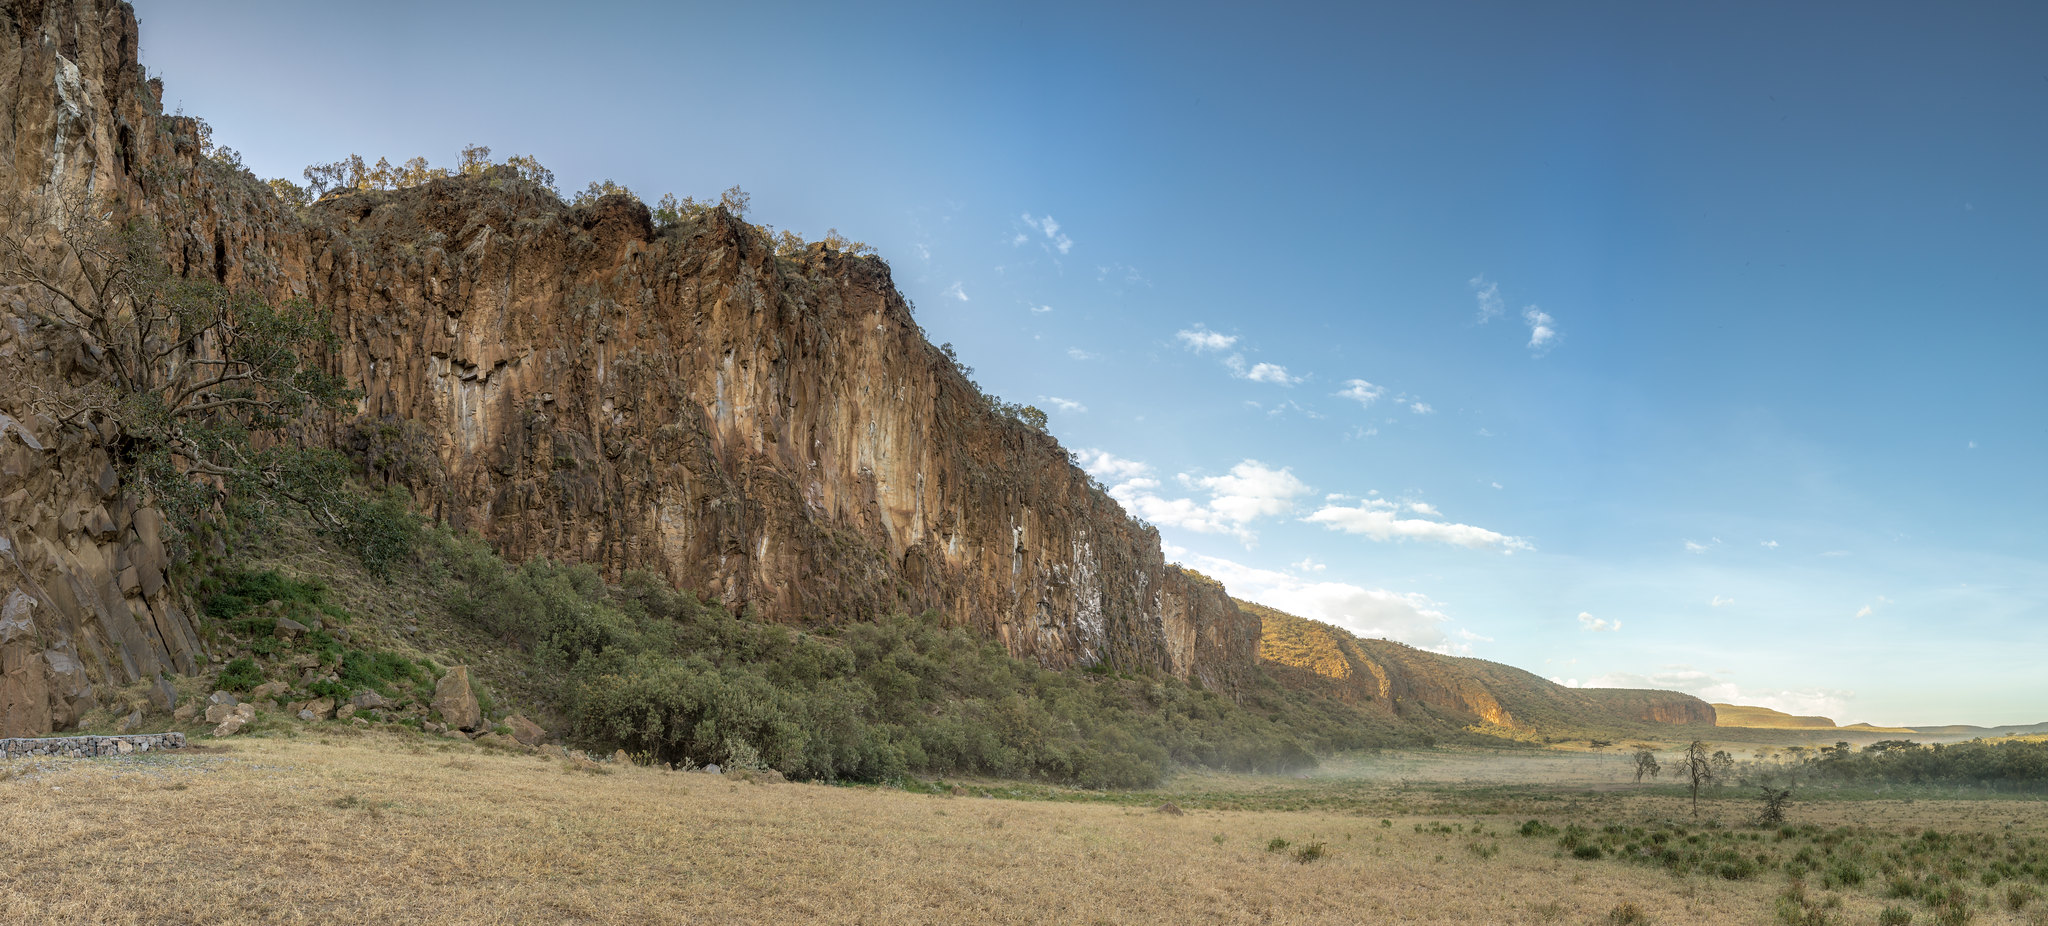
83	747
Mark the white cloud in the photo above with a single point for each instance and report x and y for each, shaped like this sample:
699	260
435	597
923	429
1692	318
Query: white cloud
1597	625
1109	467
1052	233
1410	618
1362	392
1720	602
1834	553
1250	491
1710	687
1973	445
1264	373
1496	485
1488	294
1425	508
1421	408
1770	544
956	292
1079	354
1199	339
1040	309
1378	520
1542	329
1309	564
1871	608
1863	611
1066	405
1691	547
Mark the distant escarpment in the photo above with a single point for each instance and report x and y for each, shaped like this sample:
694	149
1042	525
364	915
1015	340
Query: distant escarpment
1419	684
770	430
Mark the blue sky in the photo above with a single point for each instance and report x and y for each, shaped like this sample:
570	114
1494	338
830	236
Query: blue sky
1625	343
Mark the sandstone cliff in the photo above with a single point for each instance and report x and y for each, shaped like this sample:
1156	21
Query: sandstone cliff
774	433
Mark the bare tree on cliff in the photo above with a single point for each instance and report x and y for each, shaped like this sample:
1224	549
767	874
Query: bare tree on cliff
196	390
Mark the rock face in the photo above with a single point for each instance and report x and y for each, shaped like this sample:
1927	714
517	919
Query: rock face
83	596
772	432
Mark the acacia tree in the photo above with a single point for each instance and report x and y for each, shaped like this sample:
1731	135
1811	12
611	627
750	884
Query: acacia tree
194	388
1699	770
1646	763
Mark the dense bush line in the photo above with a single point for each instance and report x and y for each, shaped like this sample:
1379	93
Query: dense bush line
2005	765
678	681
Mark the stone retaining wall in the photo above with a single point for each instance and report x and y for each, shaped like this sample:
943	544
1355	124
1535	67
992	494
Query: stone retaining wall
80	747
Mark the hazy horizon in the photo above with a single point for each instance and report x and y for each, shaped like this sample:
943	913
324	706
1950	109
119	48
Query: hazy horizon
1631	346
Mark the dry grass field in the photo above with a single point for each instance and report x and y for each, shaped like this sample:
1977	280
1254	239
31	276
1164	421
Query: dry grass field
381	828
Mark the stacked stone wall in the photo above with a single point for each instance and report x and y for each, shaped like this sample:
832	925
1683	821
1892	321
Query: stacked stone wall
85	747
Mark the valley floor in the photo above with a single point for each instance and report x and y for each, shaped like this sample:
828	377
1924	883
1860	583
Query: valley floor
384	828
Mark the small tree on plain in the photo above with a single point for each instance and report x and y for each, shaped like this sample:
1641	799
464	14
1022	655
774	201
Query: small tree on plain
1699	770
1775	800
1646	764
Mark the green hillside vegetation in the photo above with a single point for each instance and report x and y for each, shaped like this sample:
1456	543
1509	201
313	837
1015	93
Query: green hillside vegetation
1452	695
677	681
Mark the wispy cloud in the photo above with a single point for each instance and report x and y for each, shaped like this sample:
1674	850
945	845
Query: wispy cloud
1251	490
1421	408
1309	564
1199	339
1720	602
1079	354
1542	330
1380	520
1259	372
956	291
1109	467
1871	608
1362	392
1488	294
1597	625
1065	405
1770	544
1040	309
1054	239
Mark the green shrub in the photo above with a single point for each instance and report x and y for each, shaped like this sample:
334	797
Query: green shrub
1308	852
1895	916
240	675
658	673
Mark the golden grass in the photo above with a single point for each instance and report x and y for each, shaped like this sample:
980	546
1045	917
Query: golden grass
386	829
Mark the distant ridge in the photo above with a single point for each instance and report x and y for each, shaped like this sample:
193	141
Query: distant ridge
1764	718
1437	693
